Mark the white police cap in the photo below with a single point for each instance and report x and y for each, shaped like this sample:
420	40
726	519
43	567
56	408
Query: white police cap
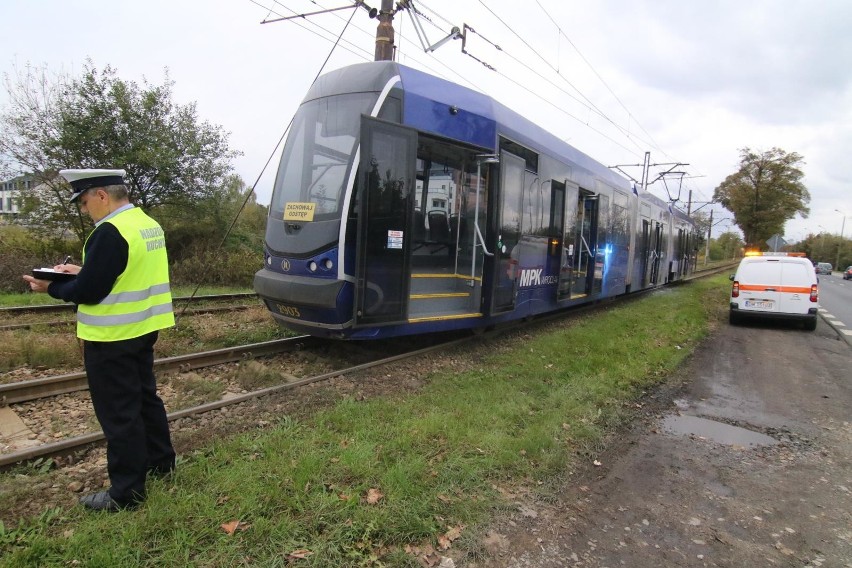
83	180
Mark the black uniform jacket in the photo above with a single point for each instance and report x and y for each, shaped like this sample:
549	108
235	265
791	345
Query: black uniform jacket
106	258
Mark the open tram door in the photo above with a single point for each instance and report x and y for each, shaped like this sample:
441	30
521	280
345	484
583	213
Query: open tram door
588	269
385	187
508	226
656	253
645	249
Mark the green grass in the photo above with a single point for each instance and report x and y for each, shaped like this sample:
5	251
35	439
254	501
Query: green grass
521	416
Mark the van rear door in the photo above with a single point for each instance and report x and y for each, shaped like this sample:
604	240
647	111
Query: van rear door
760	284
796	288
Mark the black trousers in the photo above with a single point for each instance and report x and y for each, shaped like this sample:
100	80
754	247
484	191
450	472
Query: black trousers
124	393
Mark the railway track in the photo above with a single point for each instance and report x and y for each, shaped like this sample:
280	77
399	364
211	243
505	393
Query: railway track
74	444
188	312
73	382
59	308
23	391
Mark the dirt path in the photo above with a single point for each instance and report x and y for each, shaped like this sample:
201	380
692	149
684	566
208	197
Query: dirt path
681	491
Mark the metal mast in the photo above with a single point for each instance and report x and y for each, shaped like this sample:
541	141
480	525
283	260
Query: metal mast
384	32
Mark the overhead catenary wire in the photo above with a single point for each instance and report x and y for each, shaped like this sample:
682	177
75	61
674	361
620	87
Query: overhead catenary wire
625	130
585	102
592	68
353	48
369	55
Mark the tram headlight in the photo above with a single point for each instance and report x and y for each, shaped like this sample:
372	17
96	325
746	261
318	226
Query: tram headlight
328	264
312	266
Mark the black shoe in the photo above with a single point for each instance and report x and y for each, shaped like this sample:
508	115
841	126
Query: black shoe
102	501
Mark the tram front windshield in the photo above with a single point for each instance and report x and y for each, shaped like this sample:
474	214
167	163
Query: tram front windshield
319	152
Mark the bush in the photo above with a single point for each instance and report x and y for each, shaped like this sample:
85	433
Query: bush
195	262
217	268
21	250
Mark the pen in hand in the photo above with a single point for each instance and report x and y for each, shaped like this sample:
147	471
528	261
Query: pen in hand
67	259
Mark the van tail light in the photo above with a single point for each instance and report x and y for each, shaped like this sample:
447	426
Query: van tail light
814	293
735	290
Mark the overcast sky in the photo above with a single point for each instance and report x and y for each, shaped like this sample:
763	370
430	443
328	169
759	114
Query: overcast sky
690	81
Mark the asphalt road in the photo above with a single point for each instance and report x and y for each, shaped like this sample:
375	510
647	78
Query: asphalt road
835	298
748	465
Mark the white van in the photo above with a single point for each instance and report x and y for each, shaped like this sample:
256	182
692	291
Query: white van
775	285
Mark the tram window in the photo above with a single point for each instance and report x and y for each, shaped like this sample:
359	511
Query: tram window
536	205
557	208
530	157
391	110
620	219
319	152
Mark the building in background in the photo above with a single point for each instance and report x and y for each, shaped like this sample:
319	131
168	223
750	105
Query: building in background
9	194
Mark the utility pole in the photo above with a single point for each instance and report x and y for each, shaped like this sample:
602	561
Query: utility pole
709	230
384	33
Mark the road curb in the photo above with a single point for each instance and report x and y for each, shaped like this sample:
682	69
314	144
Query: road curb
839	331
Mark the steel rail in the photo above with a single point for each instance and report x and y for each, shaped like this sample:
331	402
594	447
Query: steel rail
23	391
51	308
193	312
70	445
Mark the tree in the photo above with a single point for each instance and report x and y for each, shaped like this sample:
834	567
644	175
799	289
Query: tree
98	120
727	246
702	223
233	210
764	193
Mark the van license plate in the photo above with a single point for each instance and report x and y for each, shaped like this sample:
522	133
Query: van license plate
759	304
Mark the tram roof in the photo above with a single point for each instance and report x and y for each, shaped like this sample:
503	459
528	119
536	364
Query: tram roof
478	119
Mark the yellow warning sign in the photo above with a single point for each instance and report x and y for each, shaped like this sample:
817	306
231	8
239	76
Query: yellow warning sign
299	211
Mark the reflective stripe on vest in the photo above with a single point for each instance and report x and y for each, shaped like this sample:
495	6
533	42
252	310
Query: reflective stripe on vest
135	317
136	296
140	301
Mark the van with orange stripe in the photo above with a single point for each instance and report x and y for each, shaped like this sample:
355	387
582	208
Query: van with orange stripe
775	285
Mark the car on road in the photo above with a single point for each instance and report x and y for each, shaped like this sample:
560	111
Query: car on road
847	274
775	285
823	268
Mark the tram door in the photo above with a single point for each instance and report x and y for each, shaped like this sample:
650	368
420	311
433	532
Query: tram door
385	181
507	250
645	250
656	253
585	245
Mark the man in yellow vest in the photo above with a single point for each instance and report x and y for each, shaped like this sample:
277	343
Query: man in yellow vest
123	300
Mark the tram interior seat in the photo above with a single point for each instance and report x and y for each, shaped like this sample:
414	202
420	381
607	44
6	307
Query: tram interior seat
439	231
436	236
458	226
419	229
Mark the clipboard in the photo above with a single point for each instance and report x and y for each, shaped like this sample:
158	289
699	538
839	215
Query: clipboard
52	275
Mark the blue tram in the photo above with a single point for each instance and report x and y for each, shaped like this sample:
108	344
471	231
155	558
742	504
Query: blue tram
406	204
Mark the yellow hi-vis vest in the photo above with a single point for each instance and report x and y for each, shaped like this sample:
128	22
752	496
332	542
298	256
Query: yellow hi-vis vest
140	300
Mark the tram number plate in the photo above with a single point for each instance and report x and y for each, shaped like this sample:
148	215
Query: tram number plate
286	310
759	304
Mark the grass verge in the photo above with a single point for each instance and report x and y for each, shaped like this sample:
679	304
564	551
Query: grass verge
355	484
